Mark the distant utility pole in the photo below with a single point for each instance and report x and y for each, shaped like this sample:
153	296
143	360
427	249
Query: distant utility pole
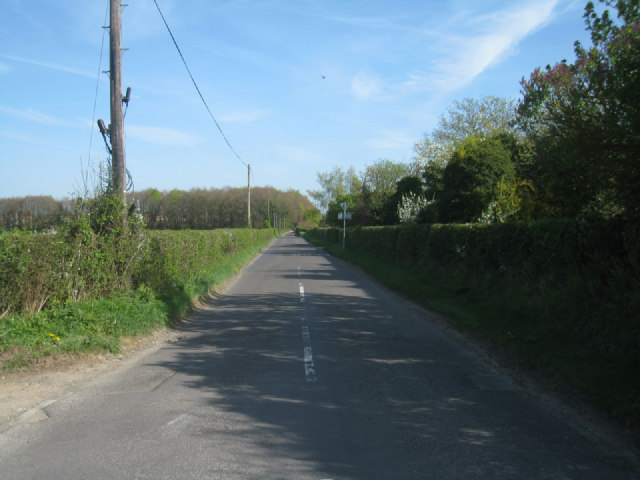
116	132
249	196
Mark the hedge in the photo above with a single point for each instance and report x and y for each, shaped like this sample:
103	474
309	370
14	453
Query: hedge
549	247
44	270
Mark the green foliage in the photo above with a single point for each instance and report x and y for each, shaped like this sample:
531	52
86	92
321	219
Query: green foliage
82	326
483	118
34	213
312	216
368	196
506	203
333	184
472	177
88	290
201	209
584	119
409	186
335	208
182	265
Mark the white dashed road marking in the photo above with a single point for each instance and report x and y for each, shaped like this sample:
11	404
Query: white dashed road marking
309	366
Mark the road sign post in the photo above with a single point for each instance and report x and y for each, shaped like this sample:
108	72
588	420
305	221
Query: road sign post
344	216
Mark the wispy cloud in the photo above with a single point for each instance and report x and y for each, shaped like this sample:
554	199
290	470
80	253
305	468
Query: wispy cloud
37	117
49	65
242	116
163	136
491	38
25	138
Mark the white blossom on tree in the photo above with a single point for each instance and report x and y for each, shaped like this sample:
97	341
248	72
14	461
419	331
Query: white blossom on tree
410	206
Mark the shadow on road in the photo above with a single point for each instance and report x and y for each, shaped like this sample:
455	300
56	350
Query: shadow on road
394	398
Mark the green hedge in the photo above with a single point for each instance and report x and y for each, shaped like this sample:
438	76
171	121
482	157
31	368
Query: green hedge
582	275
531	250
72	293
41	271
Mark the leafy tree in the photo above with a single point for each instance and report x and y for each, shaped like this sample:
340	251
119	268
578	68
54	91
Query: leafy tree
333	184
31	212
471	178
379	182
478	118
481	119
584	119
335	208
383	175
312	215
366	193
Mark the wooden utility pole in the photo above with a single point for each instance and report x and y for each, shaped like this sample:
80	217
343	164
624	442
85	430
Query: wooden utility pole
118	167
249	196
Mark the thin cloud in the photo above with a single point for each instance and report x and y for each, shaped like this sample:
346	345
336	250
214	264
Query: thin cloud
50	66
163	136
37	117
27	139
494	36
242	116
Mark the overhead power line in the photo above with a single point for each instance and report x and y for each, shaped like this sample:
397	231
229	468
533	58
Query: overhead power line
196	85
95	99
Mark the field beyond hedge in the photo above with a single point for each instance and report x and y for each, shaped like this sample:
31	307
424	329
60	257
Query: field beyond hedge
64	293
557	297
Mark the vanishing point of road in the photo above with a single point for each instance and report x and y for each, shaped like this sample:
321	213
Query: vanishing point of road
305	369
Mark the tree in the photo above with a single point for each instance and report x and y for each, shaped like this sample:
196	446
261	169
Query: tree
472	177
409	187
312	216
466	118
410	208
379	182
333	184
584	119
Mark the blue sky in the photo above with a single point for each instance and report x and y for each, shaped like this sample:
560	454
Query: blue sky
390	69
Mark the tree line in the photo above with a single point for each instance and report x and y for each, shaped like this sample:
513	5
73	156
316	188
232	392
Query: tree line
223	208
569	147
176	209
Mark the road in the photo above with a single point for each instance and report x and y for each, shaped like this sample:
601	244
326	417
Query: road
305	369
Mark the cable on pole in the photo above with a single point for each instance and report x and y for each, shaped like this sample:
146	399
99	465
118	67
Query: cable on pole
196	85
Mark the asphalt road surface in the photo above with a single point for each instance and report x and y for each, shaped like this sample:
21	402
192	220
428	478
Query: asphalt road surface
304	369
